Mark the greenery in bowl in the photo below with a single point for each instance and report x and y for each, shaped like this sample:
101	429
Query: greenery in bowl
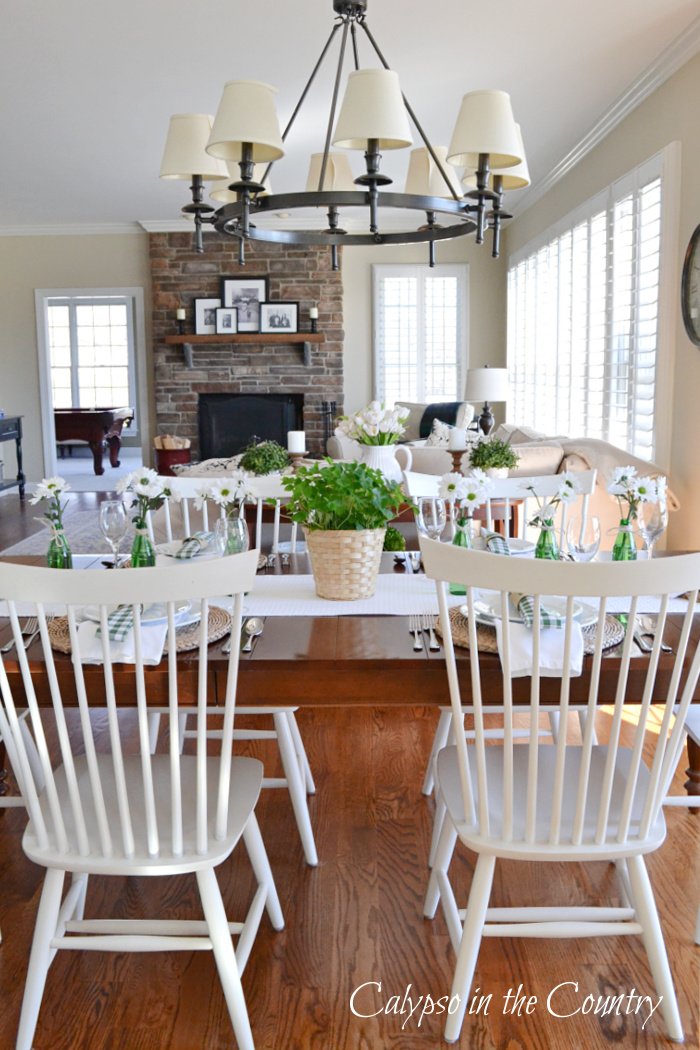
341	496
493	454
264	458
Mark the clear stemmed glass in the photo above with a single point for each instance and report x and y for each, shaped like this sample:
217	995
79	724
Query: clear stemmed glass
653	521
113	525
432	517
583	538
231	536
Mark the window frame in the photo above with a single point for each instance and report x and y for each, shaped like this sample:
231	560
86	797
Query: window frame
421	271
666	165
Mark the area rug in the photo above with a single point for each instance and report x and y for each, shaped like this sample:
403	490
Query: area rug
82	532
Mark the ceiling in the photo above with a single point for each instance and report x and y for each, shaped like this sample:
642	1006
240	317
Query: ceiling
87	88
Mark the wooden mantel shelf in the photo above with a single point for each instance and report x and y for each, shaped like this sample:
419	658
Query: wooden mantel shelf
247	337
187	342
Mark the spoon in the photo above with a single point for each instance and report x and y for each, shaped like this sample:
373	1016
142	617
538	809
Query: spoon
253	628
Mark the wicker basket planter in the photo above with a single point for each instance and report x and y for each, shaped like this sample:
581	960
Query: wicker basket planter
345	564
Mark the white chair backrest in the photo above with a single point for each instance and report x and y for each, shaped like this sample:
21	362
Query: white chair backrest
179	517
508	491
150	822
421	485
573	796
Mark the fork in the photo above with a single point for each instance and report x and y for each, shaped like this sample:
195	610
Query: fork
28	632
415	629
647	630
428	624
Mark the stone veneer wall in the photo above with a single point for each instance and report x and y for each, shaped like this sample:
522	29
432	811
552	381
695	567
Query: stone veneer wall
295	273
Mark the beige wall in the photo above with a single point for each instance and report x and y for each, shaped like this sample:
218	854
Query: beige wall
27	263
487	317
668	115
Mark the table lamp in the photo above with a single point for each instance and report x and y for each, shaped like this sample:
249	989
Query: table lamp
486	384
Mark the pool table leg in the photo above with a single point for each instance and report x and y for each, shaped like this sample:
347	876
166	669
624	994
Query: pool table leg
114	445
97	450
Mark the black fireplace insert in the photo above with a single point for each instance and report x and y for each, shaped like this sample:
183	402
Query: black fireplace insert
229	422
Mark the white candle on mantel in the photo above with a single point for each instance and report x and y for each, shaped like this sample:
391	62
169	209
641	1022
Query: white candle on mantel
458	439
313	313
181	314
296	441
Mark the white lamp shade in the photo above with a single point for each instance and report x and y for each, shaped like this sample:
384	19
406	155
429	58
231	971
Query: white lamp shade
487	384
515	178
485	125
220	190
424	177
372	108
246	114
338	174
185	149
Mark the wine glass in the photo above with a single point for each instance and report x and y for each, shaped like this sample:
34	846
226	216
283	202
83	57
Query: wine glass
113	525
583	538
231	536
432	517
653	521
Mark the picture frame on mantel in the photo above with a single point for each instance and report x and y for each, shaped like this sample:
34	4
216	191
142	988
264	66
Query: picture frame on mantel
245	294
227	320
205	316
279	318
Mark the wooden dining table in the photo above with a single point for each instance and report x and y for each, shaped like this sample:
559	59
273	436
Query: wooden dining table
341	660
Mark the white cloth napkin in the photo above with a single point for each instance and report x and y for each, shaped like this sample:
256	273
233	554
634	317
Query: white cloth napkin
152	644
551	650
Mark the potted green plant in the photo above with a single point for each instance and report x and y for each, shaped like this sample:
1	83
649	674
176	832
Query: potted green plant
494	457
265	457
344	509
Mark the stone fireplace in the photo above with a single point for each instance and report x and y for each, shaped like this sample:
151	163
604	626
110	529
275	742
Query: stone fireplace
310	375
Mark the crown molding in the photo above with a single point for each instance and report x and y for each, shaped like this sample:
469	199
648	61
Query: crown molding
66	230
166	225
678	52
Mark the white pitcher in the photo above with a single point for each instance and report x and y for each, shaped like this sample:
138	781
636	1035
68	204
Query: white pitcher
392	460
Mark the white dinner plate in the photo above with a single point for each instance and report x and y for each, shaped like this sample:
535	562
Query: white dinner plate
488	609
185	612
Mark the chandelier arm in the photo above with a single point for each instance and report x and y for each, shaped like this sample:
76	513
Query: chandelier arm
353	33
323	238
412	115
334	103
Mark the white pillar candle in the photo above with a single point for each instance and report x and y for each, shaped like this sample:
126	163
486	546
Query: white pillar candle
296	441
313	313
181	314
458	439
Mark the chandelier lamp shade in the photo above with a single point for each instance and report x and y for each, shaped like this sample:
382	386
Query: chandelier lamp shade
373	116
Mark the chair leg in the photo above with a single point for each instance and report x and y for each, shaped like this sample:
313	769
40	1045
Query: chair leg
79	912
438	821
554	724
439	741
295	784
263	872
225	957
648	917
153	730
40	957
471	940
582	719
697	928
301	754
443	855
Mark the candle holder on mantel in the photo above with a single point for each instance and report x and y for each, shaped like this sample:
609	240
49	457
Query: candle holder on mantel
457	454
296	458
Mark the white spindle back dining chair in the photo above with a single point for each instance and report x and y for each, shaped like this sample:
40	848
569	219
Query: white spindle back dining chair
692	730
563	802
115	808
298	778
516	503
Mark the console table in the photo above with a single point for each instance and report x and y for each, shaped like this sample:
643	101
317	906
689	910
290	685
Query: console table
11	430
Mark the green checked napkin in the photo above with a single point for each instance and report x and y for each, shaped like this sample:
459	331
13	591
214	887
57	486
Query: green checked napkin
119	623
495	544
194	545
548	618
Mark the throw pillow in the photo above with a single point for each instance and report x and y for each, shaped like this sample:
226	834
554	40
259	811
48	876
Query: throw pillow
439	436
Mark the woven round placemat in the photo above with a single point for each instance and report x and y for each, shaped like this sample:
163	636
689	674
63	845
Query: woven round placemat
613	634
187	635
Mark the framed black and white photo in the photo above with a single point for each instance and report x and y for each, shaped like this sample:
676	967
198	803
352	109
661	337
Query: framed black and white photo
279	317
245	294
205	316
227	320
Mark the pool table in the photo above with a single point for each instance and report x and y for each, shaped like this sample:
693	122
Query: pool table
98	427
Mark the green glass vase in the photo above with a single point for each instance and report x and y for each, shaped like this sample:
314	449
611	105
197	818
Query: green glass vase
624	547
58	555
462	538
546	546
143	556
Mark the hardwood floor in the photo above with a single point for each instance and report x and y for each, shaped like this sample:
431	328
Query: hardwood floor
354	919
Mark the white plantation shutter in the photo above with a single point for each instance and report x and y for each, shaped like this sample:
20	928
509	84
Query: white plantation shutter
420	326
583	318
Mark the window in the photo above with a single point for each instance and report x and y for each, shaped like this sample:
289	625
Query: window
585	331
91	351
420	326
